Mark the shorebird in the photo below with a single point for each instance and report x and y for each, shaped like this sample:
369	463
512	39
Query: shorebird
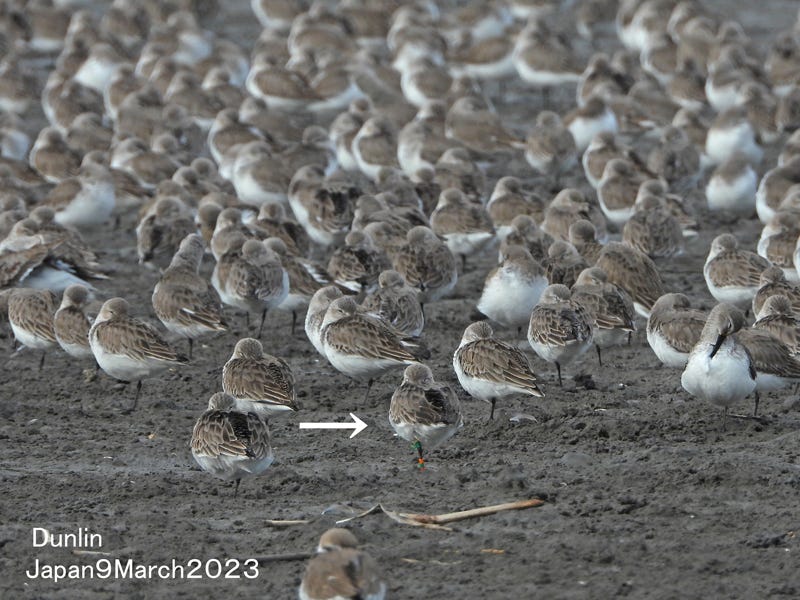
315	315
610	307
583	236
260	383
732	186
489	369
509	200
550	147
775	365
673	329
30	314
465	227
719	369
129	349
427	264
732	132
186	303
361	346
560	329
778	242
617	188
589	120
513	288
733	275
653	229
358	264
71	325
771	282
340	571
396	303
563	263
230	443
634	272
250	277
423	411
778	317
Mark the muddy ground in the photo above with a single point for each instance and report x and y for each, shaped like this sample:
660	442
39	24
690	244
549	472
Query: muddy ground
645	495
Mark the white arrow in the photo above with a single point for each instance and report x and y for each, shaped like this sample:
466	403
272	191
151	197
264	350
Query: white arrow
357	425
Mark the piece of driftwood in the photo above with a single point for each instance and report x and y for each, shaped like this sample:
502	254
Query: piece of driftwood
267	558
287	523
439	521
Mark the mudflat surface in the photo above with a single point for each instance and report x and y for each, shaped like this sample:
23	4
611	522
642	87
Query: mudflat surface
645	495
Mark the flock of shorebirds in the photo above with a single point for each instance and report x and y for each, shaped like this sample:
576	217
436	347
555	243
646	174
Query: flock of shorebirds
352	162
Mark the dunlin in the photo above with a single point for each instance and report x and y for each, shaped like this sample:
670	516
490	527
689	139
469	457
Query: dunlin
732	132
375	146
305	278
617	189
673	329
509	200
358	263
250	277
51	156
733	275
732	186
560	329
341	571
259	382
775	365
634	272
586	121
653	229
778	242
583	236
185	302
323	207
86	200
474	124
513	288
609	305
526	233
465	227
455	169
771	282
129	349
396	303
315	315
30	314
675	159
550	146
71	325
719	369
423	411
778	317
230	443
563	263
426	264
361	346
774	186
160	231
489	369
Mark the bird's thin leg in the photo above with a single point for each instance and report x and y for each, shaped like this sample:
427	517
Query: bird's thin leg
724	418
755	407
135	397
558	368
191	344
463	263
236	489
294	320
369	387
261	327
599	356
417	445
491	414
41	361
